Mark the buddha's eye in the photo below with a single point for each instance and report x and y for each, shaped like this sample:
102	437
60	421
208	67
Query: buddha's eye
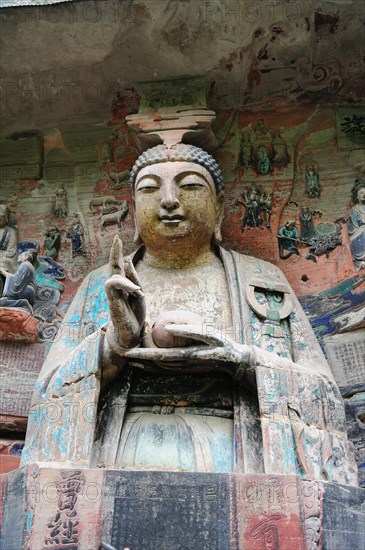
192	185
147	187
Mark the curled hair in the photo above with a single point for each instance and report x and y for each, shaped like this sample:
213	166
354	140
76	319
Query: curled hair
358	184
182	153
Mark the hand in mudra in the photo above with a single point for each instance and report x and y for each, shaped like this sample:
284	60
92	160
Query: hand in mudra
211	352
126	301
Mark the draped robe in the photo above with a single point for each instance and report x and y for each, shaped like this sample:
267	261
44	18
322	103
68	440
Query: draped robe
294	422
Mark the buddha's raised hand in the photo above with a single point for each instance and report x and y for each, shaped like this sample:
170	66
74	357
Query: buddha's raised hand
126	301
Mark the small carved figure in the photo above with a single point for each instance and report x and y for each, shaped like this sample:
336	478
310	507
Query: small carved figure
281	156
246	154
114	217
252	202
8	241
356	224
260	127
266	207
312	182
60	207
263	160
288	237
307	231
52	242
19	289
76	234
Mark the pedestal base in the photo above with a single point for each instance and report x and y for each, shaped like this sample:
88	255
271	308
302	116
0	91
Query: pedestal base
55	508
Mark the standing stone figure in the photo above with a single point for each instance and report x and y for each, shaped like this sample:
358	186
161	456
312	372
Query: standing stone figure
76	234
356	224
246	152
312	182
8	244
204	360
60	208
251	199
307	231
263	160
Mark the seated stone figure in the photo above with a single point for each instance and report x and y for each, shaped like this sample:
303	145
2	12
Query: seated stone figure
199	358
19	289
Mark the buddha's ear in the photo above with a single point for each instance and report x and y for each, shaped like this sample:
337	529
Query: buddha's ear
219	217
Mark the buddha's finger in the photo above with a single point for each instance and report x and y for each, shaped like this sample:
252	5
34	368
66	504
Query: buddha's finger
197	332
131	272
116	259
161	354
118	282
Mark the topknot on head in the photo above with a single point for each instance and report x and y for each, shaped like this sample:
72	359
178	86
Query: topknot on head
180	152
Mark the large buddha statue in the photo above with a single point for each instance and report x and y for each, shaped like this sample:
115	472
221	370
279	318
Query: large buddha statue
185	356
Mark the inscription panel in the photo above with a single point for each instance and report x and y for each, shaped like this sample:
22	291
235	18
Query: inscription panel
183	511
346	355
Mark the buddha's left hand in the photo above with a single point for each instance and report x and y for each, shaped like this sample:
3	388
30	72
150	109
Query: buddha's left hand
215	353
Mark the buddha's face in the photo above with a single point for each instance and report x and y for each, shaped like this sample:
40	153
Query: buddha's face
176	208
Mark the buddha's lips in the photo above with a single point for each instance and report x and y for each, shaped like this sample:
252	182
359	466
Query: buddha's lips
175	218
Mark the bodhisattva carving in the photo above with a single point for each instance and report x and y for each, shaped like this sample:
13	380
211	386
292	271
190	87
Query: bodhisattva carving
241	384
356	224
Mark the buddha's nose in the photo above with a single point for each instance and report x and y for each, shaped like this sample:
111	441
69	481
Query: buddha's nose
169	198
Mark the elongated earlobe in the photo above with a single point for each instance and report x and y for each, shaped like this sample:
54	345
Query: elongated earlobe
220	214
137	238
218	233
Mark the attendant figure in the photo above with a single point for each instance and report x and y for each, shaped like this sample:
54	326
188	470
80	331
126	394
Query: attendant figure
307	231
266	207
312	182
246	156
252	216
76	234
52	242
60	208
356	224
288	237
263	160
281	157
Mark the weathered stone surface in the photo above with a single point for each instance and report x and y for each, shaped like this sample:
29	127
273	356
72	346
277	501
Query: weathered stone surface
355	416
343	517
266	510
20	364
79	509
17	325
199	501
346	354
57	508
21	158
